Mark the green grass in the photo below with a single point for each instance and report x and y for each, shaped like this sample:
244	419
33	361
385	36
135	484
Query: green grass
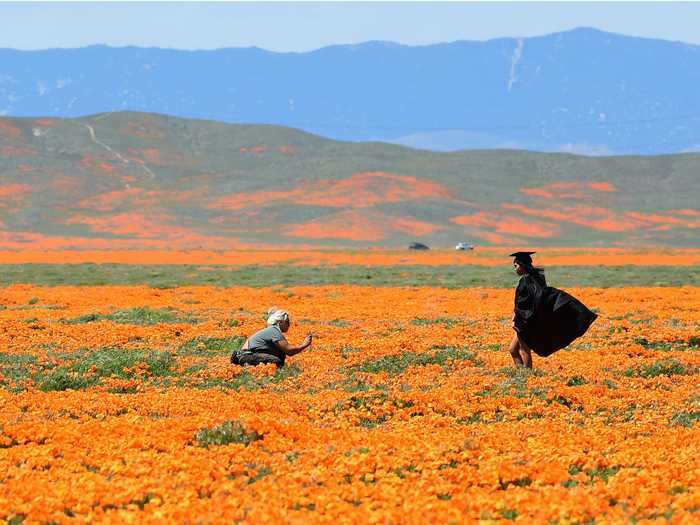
15	367
602	474
142	315
685	419
86	368
663	367
465	276
107	362
509	514
82	369
260	472
474	419
398	363
347	350
692	343
365	402
210	346
446	322
62	378
576	381
515	384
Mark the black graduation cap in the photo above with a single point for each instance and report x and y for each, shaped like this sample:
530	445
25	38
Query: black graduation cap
523	256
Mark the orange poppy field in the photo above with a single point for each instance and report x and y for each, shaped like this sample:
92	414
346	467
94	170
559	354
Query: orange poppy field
119	404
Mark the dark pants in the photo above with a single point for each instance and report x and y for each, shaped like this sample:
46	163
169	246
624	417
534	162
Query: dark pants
244	358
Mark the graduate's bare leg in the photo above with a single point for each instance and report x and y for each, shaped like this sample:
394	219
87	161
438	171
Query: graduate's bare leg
514	350
525	353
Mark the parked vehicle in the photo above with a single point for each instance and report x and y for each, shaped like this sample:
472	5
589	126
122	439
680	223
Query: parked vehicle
464	246
418	246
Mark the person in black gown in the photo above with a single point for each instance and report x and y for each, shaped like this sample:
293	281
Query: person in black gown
545	319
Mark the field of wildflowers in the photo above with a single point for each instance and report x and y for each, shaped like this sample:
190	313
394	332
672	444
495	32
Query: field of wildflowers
119	404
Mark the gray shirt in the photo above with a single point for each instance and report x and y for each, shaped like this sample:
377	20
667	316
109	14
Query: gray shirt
264	341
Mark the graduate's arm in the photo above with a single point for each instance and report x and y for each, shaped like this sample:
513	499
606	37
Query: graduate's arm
524	304
289	349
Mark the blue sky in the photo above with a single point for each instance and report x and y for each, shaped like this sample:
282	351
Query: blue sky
294	26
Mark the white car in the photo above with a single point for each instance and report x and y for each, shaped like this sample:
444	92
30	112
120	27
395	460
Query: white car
464	246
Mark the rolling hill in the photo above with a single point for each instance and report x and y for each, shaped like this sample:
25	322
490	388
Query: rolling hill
120	180
581	91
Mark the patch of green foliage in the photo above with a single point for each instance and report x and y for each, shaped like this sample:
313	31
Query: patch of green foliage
260	472
564	401
284	373
85	368
515	384
339	323
107	362
367	403
396	364
603	474
519	482
663	367
692	343
615	415
132	389
230	431
401	471
474	419
509	514
346	350
599	473
447	322
208	346
308	506
62	378
369	422
454	276
247	381
685	419
576	381
15	368
142	315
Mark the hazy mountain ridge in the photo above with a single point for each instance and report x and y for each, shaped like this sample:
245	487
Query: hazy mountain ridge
143	180
582	90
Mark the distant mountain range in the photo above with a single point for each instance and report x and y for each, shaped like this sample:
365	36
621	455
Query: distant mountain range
583	91
135	180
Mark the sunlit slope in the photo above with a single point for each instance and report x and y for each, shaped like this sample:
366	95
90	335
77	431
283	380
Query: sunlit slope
124	180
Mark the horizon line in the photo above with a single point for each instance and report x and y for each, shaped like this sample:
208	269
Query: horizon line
353	44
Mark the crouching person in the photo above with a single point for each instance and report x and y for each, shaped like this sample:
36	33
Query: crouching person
269	344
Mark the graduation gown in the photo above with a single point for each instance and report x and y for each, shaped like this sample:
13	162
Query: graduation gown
546	318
